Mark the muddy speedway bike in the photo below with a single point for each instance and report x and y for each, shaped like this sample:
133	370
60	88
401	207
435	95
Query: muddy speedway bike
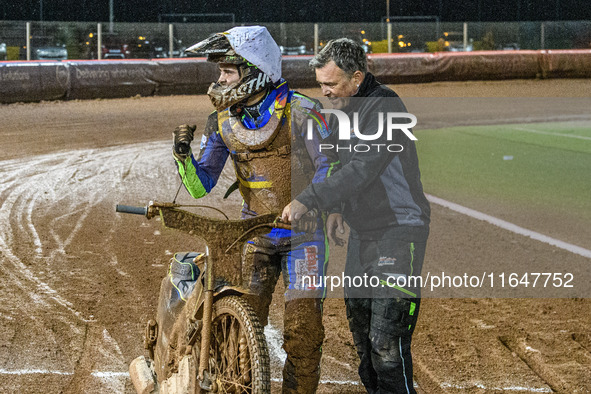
206	337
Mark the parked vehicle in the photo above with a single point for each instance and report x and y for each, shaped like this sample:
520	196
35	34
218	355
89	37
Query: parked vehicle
454	42
206	337
296	50
50	52
160	48
510	46
115	48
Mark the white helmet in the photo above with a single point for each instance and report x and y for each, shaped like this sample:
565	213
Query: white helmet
253	51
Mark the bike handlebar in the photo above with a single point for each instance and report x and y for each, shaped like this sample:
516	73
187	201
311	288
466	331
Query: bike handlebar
179	219
131	209
152	208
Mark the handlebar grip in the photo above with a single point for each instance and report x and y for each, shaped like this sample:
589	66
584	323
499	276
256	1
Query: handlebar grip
284	226
131	209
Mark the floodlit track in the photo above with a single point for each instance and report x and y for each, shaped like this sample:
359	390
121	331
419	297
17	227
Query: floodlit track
78	281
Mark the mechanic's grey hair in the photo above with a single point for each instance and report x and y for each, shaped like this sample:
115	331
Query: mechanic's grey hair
347	54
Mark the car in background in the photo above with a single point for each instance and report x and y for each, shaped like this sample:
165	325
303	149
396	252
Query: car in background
140	47
454	42
160	48
115	47
119	46
458	46
297	50
511	46
50	52
115	52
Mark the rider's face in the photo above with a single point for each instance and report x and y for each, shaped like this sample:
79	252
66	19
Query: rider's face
228	74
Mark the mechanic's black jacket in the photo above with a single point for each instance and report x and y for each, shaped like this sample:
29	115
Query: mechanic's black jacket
379	190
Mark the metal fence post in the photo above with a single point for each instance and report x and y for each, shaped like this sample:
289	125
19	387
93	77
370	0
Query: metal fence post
28	40
171	39
542	34
99	41
465	36
389	37
316	41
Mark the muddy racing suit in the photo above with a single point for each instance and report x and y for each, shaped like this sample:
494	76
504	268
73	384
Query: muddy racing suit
270	157
386	209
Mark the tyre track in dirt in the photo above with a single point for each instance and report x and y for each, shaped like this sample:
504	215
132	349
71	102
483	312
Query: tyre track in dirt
49	210
60	191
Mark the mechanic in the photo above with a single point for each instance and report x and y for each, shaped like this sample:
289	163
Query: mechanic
388	215
259	122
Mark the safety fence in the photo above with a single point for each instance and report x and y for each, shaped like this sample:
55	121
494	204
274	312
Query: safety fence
90	40
62	80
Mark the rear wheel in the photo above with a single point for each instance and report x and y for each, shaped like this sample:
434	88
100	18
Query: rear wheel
238	359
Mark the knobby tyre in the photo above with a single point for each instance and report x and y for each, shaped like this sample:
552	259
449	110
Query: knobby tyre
239	358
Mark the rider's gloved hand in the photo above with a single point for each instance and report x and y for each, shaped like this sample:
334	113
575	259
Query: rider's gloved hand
182	137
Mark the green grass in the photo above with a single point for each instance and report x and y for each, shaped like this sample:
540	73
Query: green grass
547	171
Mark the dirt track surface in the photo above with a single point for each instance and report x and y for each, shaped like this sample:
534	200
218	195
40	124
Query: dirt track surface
78	281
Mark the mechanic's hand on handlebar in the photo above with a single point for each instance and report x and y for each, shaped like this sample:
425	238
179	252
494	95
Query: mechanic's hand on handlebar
182	137
300	216
293	211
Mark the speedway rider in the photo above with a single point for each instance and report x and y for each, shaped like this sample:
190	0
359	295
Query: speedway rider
260	124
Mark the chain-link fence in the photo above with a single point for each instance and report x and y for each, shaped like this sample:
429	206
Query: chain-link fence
80	40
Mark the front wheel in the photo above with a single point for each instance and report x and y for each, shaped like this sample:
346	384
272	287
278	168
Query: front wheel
238	359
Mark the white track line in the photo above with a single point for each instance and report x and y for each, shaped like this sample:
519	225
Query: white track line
110	375
581	137
32	372
482	387
511	227
327	381
97	374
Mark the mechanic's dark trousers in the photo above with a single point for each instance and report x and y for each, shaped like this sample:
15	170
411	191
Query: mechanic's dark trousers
269	256
382	319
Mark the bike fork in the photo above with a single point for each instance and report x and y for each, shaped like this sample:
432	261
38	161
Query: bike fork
204	379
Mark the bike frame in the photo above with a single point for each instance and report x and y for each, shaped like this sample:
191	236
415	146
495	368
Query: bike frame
224	265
